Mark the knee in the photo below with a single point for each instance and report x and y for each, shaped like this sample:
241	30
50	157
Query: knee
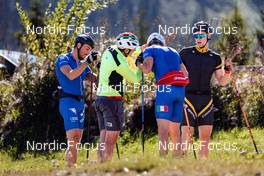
110	141
109	144
205	138
75	139
163	133
175	131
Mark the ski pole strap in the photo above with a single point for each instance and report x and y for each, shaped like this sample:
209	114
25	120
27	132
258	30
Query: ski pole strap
175	78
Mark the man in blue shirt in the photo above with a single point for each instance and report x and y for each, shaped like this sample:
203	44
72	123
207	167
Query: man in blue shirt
166	64
71	69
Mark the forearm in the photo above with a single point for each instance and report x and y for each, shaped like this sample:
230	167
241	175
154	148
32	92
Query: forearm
145	68
184	70
73	74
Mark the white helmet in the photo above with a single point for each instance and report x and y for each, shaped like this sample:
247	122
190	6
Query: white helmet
156	38
127	40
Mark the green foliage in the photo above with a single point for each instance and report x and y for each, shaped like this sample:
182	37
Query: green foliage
29	111
251	87
30	40
64	15
133	162
134	95
6	98
141	26
34	115
228	114
225	99
260	32
253	97
125	137
228	41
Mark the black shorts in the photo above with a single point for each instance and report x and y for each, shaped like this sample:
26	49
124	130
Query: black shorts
110	114
199	110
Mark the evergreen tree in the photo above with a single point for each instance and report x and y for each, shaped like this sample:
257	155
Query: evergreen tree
36	17
230	39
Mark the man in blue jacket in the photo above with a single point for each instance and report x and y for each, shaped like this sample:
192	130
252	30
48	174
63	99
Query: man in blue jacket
166	64
71	69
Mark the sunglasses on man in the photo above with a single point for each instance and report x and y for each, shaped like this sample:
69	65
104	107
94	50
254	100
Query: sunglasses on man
199	36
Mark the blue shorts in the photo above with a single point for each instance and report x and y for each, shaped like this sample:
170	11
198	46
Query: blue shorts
169	103
72	112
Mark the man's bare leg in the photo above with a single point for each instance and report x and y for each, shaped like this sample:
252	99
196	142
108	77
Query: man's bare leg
101	145
74	137
110	141
205	132
163	132
186	138
174	131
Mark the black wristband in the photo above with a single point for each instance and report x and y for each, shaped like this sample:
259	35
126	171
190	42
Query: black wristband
227	68
88	61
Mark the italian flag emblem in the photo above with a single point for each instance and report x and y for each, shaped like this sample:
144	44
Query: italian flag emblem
162	108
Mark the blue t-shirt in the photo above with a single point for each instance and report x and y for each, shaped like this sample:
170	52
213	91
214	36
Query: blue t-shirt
70	86
165	59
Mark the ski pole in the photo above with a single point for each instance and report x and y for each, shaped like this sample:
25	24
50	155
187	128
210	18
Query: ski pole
245	117
142	113
235	52
189	130
89	118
